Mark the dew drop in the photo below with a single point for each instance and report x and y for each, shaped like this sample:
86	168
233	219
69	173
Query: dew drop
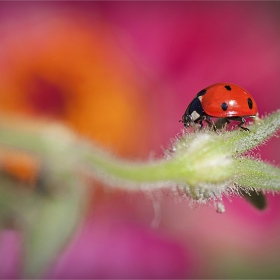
220	207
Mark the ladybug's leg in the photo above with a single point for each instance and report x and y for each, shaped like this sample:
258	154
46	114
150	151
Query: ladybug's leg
211	123
242	121
201	124
200	121
222	122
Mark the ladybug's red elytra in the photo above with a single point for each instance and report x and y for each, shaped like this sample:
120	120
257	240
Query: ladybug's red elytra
222	100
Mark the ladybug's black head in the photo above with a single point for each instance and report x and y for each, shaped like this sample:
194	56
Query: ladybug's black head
186	120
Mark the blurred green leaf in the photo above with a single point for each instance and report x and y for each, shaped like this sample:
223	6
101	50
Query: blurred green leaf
257	199
54	222
46	222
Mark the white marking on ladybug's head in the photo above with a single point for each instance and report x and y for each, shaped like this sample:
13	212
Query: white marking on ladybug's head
200	98
195	115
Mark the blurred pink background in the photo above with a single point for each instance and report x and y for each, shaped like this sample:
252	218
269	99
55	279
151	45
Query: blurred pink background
122	74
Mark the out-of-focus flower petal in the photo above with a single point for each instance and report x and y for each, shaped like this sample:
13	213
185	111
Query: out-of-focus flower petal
9	254
122	251
70	69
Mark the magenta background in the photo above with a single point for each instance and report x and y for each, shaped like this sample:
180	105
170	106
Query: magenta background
178	48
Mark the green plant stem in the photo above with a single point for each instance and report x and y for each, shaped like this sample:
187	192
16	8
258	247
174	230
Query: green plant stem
197	158
258	175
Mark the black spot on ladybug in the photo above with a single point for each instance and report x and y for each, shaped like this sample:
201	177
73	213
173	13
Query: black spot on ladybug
224	106
228	87
250	103
202	92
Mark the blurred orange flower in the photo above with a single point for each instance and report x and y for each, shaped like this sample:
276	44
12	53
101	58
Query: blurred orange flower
72	71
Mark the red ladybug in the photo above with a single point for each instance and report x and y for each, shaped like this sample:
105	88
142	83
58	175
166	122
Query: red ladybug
221	100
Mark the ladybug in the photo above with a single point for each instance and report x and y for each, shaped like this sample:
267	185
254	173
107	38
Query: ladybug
222	100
